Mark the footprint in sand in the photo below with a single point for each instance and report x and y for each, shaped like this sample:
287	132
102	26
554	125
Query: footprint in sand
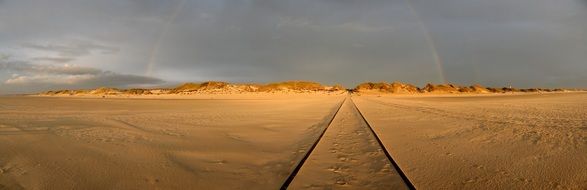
478	166
151	180
336	169
341	182
301	150
470	180
373	154
386	168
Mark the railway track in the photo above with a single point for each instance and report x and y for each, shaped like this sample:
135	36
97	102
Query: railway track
348	152
293	174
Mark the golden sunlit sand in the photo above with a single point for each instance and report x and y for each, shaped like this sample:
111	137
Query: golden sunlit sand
65	143
532	141
524	141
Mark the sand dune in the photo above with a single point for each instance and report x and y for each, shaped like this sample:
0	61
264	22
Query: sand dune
403	88
205	88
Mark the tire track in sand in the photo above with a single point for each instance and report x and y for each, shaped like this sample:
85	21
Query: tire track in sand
348	155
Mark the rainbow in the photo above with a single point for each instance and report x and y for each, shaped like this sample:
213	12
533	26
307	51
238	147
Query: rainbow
155	49
431	44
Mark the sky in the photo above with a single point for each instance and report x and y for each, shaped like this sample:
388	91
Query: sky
65	44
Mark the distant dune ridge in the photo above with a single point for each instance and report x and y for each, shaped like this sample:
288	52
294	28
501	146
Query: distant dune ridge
402	88
395	87
219	87
210	87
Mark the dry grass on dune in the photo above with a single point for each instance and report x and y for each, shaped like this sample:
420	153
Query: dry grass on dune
219	87
210	87
395	87
402	88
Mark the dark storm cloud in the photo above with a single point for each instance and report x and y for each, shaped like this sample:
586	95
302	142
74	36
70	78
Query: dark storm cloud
583	2
105	78
40	77
23	84
520	42
74	49
297	40
24	67
54	59
524	43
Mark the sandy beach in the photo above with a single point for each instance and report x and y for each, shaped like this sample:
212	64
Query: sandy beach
534	141
531	141
85	143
